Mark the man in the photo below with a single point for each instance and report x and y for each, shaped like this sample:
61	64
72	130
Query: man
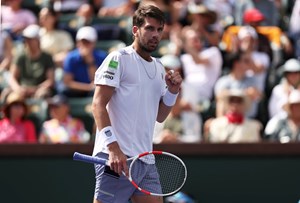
130	95
80	64
290	79
285	127
32	73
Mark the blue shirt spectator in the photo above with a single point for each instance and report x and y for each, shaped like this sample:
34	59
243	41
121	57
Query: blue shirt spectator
81	64
75	65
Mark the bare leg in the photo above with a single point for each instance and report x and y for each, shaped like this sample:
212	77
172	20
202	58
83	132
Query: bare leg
96	201
146	199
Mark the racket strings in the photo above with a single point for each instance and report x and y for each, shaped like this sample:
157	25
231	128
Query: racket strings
171	171
167	173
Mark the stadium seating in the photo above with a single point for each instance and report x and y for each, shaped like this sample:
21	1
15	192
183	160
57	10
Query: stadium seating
81	108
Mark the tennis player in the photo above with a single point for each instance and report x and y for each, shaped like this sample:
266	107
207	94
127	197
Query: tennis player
132	92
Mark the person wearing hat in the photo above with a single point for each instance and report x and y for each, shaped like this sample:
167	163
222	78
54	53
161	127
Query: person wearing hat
253	17
80	64
290	80
237	78
32	72
203	20
14	127
256	19
62	127
285	127
234	126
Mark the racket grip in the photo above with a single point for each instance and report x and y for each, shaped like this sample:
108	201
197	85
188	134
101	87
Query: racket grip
89	159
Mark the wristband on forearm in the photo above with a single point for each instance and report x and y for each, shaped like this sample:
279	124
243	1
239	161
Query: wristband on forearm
108	134
169	98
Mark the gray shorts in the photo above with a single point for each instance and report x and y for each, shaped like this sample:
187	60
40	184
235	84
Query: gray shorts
112	188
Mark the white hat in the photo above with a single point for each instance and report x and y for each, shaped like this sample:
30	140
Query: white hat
291	65
171	61
237	93
246	31
31	31
294	98
88	33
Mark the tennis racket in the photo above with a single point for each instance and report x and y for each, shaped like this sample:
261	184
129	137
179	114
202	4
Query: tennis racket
171	170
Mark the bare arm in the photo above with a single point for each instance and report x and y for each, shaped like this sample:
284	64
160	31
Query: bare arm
102	95
49	82
72	84
13	82
4	65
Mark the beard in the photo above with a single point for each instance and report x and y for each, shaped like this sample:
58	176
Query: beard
147	48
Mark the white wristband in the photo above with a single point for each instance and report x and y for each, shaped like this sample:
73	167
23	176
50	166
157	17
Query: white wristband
108	135
169	98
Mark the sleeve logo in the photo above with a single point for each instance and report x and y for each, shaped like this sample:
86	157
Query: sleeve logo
113	64
108	133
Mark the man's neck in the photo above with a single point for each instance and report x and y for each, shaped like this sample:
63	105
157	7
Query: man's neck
145	55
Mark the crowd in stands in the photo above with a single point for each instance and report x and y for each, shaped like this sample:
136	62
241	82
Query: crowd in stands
240	61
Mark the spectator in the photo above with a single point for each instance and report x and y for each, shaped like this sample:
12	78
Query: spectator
286	127
294	28
201	68
290	81
225	11
6	46
253	17
240	6
62	127
259	62
234	126
67	6
15	18
270	10
256	18
32	73
118	8
85	15
175	129
6	55
54	41
238	64
203	20
14	127
80	64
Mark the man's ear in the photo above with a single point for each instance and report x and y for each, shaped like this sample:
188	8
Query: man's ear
134	30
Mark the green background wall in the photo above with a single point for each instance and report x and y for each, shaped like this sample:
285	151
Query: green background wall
212	179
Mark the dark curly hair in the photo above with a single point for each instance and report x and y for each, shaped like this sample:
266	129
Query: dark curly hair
147	11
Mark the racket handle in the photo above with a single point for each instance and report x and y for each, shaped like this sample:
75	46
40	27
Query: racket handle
89	159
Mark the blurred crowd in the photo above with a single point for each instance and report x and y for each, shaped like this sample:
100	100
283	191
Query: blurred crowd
240	61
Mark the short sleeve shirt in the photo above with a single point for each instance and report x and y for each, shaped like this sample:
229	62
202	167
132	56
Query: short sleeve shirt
74	64
133	108
34	71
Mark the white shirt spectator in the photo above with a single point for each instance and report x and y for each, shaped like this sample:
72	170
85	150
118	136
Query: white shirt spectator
201	78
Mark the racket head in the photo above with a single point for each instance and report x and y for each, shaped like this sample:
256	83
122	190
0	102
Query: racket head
171	170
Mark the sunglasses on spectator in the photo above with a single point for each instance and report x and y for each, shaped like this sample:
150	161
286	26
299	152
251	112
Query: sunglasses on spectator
236	100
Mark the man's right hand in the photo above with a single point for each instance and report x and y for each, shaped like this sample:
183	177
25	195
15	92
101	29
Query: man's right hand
117	159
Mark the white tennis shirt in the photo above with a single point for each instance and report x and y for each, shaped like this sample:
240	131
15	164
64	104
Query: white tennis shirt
139	86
